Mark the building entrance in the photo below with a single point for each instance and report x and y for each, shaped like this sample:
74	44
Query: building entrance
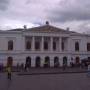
65	61
28	62
47	62
38	62
56	62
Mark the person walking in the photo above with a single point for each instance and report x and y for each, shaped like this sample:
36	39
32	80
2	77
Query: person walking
9	72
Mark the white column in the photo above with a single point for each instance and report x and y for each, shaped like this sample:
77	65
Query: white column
61	61
33	43
68	60
60	44
69	45
42	62
33	62
51	62
51	43
23	46
42	44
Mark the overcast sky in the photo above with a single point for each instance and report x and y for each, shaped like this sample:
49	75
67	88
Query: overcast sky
61	13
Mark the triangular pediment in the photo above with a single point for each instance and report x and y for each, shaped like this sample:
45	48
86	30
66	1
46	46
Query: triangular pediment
47	28
43	29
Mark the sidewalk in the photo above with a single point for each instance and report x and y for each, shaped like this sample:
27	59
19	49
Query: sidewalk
38	71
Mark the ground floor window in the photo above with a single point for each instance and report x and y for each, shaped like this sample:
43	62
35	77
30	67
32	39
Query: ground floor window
38	61
56	62
47	62
28	62
64	60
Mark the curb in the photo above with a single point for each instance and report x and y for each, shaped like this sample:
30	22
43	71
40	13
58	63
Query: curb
21	74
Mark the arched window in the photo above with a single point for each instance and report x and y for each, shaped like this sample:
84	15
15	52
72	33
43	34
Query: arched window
38	61
28	61
28	45
10	45
76	46
64	60
56	62
47	62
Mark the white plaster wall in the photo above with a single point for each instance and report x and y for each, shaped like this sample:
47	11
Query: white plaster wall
3	43
83	44
21	54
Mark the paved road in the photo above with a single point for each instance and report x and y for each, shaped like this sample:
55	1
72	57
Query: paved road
73	81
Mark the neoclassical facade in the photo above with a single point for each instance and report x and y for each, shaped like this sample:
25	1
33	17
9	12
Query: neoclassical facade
43	46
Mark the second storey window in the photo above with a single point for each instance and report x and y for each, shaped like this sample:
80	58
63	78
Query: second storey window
10	45
76	46
37	45
28	45
45	45
62	46
54	45
88	46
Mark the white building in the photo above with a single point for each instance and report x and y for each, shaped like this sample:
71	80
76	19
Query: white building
43	45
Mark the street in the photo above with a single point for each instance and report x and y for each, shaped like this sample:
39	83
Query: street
75	81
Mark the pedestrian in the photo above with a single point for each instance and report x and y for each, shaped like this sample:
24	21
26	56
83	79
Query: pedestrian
88	71
9	72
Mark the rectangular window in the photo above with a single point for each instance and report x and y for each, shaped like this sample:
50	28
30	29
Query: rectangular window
54	46
45	45
28	45
88	46
76	46
62	46
10	45
37	45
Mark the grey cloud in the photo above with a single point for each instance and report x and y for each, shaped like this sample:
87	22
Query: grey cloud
61	13
84	27
32	1
67	11
4	4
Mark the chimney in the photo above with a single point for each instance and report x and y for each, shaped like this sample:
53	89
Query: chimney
68	29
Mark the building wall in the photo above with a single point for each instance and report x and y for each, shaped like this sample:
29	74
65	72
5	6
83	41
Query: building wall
19	53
